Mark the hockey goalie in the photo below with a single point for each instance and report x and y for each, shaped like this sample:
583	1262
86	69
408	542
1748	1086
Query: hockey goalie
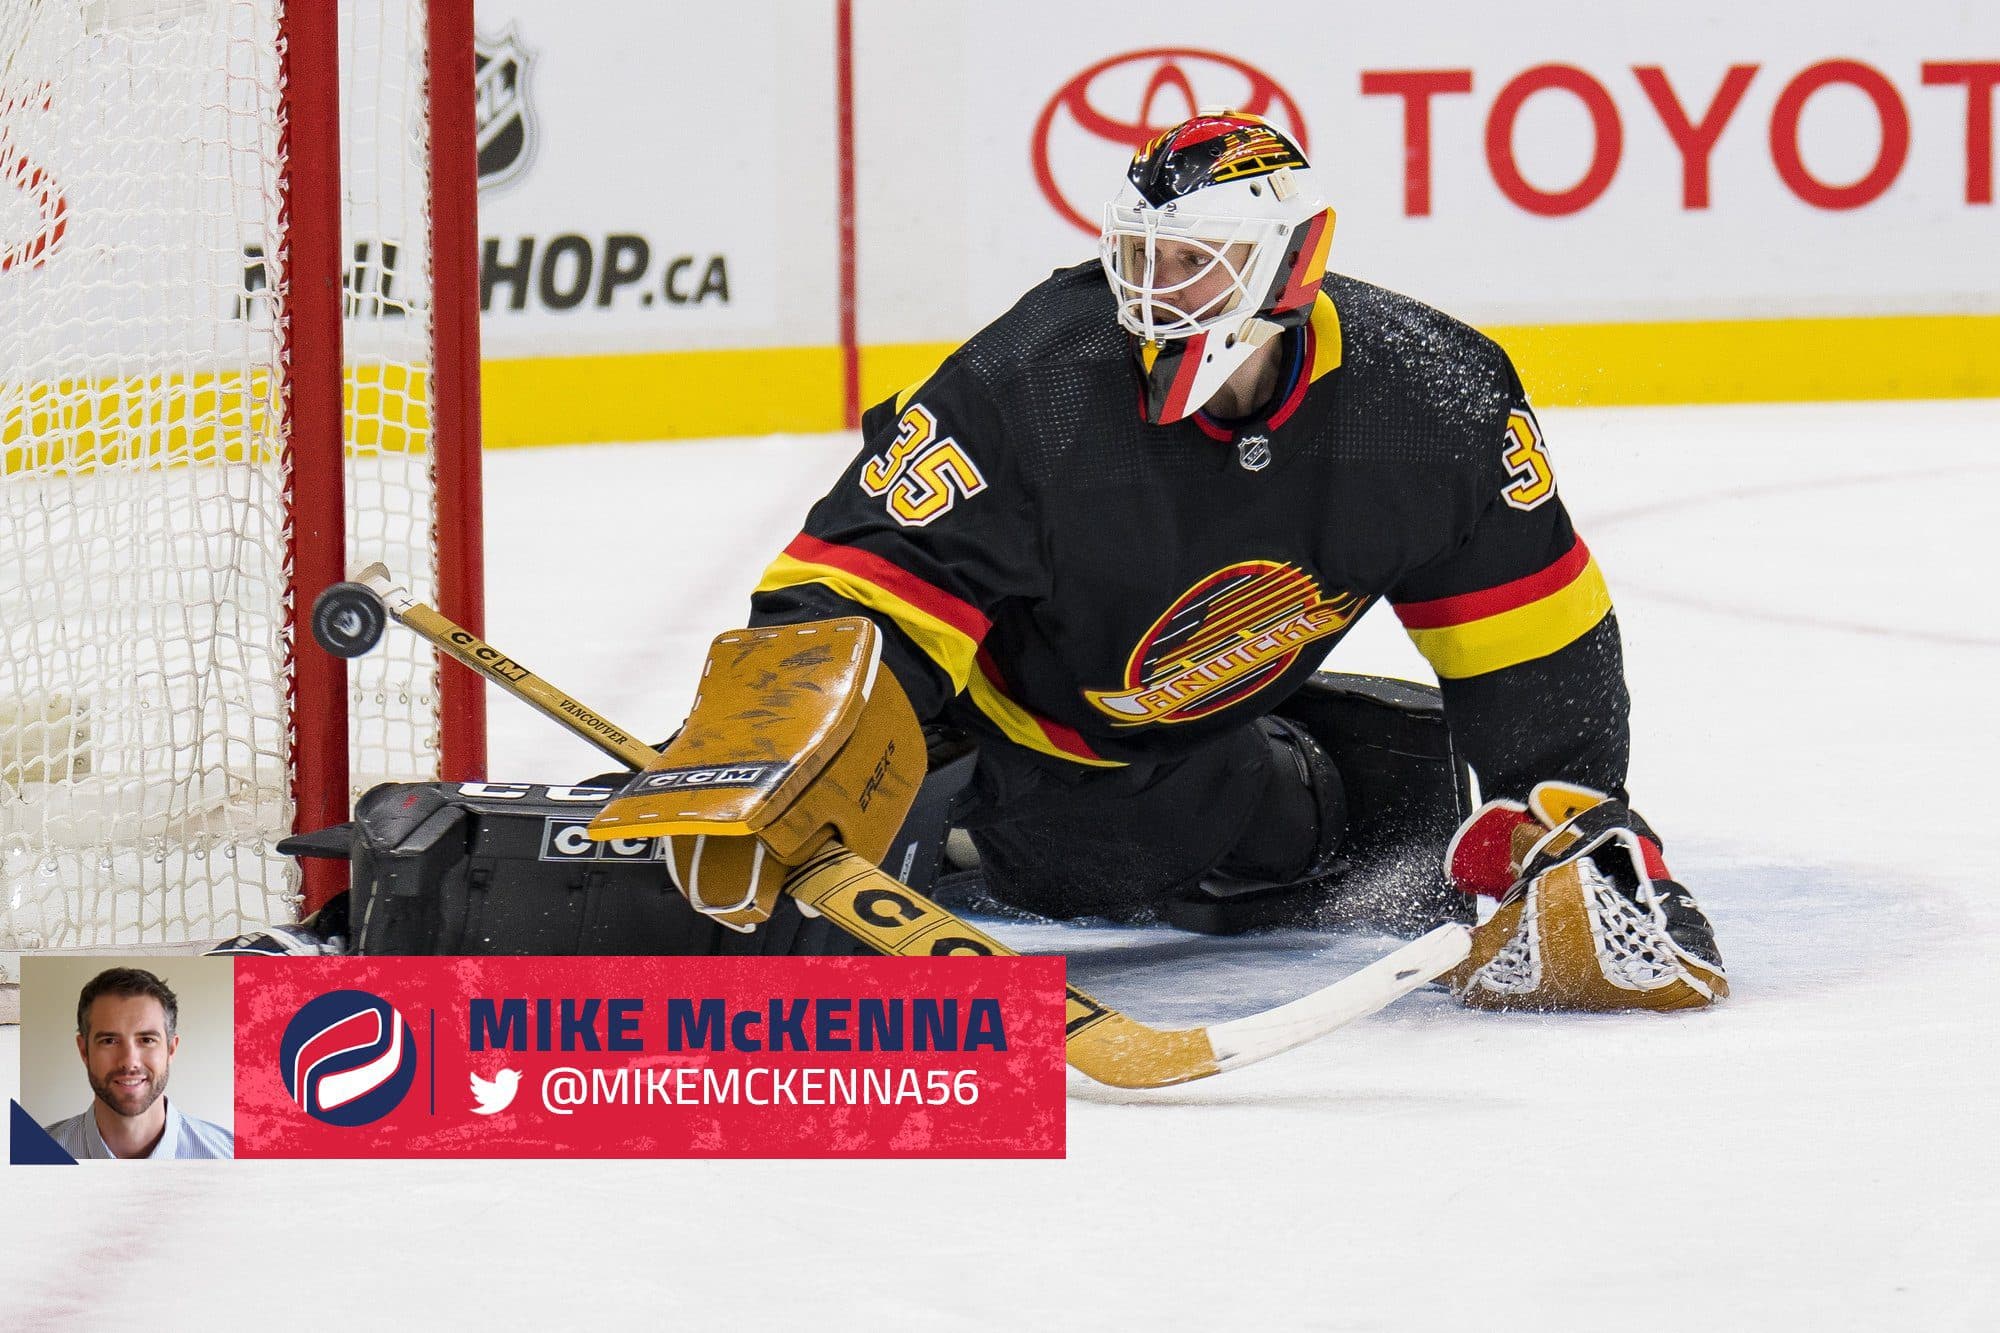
1070	598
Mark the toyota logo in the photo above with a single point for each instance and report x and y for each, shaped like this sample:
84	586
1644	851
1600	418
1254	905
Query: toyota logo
1124	101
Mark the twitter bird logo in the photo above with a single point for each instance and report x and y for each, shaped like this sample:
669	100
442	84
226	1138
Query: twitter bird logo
496	1094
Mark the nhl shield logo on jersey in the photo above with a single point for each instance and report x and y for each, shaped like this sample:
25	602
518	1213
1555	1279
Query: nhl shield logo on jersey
348	1057
505	122
1253	452
1234	632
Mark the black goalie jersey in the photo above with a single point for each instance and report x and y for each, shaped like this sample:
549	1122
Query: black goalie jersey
1051	570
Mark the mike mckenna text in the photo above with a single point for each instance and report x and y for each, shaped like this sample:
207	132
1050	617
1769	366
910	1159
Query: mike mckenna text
886	1024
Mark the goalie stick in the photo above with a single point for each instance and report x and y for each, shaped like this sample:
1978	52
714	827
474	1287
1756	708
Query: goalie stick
1099	1042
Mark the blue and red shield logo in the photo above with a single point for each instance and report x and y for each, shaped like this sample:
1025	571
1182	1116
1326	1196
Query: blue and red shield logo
348	1057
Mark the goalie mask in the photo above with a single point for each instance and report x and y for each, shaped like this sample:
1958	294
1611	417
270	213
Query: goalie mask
1216	243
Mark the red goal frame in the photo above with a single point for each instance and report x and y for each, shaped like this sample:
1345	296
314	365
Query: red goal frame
316	491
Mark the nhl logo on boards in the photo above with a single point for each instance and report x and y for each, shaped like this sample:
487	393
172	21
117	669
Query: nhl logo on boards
348	1058
1253	452
504	120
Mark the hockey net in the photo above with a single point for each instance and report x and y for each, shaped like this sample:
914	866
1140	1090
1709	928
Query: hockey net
156	516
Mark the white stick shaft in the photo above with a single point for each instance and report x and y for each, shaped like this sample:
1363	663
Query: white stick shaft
1245	1041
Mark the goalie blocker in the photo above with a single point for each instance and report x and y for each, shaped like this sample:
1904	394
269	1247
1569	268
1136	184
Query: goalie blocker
507	868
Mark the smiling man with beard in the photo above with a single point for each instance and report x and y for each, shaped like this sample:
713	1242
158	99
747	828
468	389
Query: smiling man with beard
126	1021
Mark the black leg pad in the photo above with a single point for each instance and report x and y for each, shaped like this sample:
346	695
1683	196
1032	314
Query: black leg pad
1406	791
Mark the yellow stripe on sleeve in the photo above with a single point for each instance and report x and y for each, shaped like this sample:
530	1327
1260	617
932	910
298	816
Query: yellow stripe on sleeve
1520	635
1017	724
943	643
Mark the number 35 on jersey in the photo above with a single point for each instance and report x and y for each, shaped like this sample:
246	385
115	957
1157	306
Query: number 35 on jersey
1527	462
920	475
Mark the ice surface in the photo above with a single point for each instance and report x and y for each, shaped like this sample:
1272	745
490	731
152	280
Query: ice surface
1807	600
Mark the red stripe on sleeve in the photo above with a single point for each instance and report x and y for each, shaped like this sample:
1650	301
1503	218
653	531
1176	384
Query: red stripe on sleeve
1064	739
956	612
1464	608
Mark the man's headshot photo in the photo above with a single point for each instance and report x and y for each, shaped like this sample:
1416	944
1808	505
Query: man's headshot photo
128	1035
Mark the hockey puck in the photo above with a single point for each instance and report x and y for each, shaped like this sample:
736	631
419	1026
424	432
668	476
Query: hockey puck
348	619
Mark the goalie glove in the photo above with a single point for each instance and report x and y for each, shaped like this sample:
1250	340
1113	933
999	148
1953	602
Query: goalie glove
798	739
1589	916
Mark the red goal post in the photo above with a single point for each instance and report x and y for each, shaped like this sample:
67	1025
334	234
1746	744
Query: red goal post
308	32
238	354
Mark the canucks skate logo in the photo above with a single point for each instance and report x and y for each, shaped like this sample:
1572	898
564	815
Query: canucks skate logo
503	118
1231	634
348	1058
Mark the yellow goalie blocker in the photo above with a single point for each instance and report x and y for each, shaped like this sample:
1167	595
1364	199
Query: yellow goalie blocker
797	739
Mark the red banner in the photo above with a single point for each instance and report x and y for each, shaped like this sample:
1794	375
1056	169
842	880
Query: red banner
649	1057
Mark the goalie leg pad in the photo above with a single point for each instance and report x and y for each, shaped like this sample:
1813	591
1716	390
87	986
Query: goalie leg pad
1301	821
505	868
1404	788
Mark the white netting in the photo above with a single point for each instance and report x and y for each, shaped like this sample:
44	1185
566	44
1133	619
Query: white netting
1628	933
143	641
386	227
1633	948
1517	968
